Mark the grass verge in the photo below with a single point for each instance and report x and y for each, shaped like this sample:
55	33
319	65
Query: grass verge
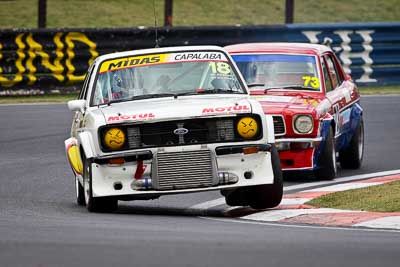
131	13
382	198
379	90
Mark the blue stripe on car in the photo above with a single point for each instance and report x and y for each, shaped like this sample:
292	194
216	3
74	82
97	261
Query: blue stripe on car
348	129
273	58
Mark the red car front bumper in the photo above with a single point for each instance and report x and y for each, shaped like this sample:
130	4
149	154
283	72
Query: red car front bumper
297	153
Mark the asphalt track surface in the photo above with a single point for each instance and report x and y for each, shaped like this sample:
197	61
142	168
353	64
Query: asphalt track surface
40	224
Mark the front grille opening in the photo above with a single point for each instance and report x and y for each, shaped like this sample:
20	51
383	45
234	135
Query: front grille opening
134	137
196	131
200	131
279	125
225	130
159	134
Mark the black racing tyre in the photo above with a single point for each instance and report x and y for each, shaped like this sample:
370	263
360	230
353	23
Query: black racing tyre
237	197
327	159
80	193
95	204
268	196
352	156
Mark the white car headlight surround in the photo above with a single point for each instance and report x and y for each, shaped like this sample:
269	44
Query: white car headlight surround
303	124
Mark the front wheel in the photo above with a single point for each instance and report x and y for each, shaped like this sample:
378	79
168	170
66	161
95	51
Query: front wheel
270	195
352	156
95	204
260	196
80	193
327	159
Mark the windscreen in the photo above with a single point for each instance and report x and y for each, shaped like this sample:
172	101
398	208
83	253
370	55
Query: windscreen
274	71
160	75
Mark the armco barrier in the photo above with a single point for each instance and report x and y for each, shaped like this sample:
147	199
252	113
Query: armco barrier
53	57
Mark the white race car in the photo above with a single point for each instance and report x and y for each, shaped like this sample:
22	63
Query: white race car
168	121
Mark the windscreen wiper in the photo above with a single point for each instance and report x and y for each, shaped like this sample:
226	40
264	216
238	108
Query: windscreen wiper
186	93
210	91
220	91
117	101
295	87
140	97
255	84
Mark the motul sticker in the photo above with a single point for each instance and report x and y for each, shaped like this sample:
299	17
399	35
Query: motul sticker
134	117
226	110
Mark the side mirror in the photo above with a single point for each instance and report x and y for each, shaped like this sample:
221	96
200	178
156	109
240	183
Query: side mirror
77	105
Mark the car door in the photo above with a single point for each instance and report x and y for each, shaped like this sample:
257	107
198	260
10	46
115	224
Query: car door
340	92
77	121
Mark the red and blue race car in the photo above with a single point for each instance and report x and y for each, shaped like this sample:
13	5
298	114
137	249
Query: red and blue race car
315	105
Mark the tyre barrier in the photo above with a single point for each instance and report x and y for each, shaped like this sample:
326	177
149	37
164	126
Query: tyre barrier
43	58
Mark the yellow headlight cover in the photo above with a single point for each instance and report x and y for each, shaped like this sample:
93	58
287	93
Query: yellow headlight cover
247	127
114	138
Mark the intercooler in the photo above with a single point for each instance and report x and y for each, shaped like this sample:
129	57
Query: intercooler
184	170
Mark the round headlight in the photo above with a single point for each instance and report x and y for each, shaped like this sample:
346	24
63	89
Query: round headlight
247	127
114	138
303	124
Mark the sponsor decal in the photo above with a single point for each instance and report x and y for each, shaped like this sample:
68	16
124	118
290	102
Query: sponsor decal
134	117
135	61
227	110
312	102
344	117
220	70
347	94
311	81
128	62
323	107
199	56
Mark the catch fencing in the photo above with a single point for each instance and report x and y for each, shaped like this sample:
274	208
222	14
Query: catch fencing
44	58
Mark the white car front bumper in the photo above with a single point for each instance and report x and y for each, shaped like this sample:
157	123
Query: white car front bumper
174	170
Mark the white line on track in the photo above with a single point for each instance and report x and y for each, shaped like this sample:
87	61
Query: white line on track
221	201
278	215
342	187
300	226
208	204
385	222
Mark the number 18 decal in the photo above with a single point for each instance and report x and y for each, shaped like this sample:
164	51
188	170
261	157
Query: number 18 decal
220	67
312	81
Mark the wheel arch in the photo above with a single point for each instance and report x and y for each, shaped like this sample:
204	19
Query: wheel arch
73	155
86	144
326	123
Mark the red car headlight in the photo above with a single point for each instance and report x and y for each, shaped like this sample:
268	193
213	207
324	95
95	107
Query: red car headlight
303	124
